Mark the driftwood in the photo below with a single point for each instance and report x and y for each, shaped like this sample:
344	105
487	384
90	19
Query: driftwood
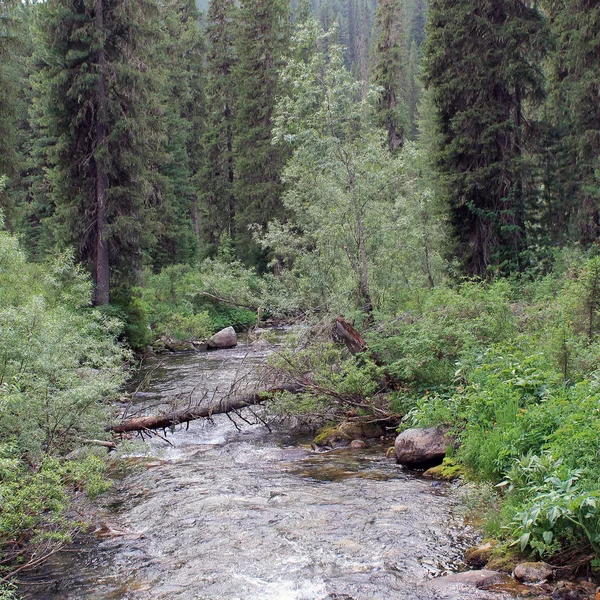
226	405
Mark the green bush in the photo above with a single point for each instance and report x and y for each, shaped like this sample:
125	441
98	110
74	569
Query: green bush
185	301
60	365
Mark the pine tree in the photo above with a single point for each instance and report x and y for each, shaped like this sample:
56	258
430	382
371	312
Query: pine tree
216	172
100	116
389	71
482	65
261	39
574	107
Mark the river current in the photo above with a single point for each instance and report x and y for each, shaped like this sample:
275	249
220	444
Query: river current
253	514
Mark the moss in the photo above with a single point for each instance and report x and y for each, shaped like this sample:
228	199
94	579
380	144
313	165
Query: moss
504	558
479	555
448	470
329	433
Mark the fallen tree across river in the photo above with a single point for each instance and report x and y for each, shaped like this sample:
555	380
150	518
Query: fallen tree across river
225	405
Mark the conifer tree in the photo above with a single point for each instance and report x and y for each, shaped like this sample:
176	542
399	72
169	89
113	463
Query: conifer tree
481	62
261	40
9	87
389	71
216	172
574	107
99	113
181	59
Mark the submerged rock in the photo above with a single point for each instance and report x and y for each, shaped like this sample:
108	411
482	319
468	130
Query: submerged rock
422	447
346	433
358	444
532	572
226	338
569	590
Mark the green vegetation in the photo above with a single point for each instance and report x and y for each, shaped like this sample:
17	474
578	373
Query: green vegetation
430	171
60	367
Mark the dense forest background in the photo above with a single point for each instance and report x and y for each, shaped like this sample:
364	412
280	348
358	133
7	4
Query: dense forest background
430	170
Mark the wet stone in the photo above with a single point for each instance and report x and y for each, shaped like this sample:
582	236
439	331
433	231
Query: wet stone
532	572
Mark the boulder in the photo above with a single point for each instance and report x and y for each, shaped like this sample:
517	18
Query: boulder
357	430
532	572
226	338
479	555
333	436
422	447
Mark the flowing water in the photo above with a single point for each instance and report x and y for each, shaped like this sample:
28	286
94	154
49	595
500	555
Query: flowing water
257	515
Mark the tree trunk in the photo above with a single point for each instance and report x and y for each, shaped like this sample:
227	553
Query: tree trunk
200	412
101	257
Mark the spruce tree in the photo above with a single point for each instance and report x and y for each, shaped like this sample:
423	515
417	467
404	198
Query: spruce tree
216	172
261	40
389	71
481	62
9	80
574	108
181	59
102	123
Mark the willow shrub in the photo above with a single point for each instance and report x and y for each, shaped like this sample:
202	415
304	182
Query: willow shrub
193	301
60	364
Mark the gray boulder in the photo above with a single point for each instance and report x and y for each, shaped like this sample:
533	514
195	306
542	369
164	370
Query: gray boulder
531	572
422	447
226	338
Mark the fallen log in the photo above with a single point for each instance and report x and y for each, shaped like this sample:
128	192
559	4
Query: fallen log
227	404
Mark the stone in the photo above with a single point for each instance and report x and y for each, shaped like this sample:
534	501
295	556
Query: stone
469	579
329	436
226	338
479	555
447	471
532	572
505	562
568	590
333	436
422	447
357	430
358	444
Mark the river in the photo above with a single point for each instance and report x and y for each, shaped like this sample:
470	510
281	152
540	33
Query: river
228	514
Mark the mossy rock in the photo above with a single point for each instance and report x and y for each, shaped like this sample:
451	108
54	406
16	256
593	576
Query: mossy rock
330	435
504	558
447	471
479	555
357	430
335	436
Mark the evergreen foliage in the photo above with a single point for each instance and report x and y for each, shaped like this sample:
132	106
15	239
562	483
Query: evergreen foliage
575	116
261	38
216	174
482	64
390	71
99	110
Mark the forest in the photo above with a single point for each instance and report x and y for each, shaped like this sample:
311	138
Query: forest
428	169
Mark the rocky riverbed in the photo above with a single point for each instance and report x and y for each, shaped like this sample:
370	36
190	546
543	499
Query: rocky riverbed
250	514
